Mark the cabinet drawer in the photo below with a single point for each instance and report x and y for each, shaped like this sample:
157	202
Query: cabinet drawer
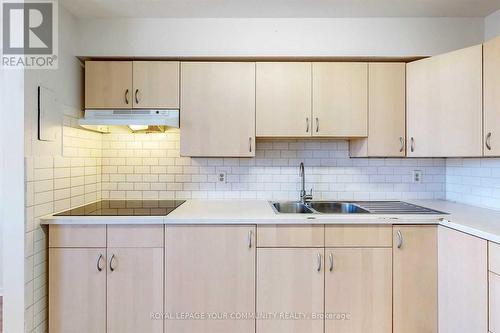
290	235
135	235
77	235
494	253
494	303
358	236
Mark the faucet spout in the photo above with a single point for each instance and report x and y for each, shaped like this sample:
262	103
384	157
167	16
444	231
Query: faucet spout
303	194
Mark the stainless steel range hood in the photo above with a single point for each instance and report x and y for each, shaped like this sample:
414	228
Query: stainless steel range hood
135	119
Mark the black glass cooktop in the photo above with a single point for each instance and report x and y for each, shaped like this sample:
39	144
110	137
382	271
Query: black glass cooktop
125	208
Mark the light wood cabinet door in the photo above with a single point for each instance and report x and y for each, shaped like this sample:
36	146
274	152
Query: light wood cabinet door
358	283
108	84
290	235
210	270
290	281
134	290
494	308
156	84
218	109
491	88
415	279
463	282
77	290
283	99
340	99
444	105
386	110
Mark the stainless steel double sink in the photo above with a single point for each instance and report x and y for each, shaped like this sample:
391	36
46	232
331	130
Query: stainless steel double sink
357	207
315	207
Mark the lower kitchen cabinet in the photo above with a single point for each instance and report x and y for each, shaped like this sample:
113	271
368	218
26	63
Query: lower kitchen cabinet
494	296
77	290
358	290
210	270
415	279
104	289
290	282
494	287
463	282
135	290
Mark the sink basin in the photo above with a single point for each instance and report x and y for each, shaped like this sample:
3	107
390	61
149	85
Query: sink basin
291	208
336	207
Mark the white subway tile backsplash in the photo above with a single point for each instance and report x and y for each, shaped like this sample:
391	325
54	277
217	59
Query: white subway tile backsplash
474	181
159	171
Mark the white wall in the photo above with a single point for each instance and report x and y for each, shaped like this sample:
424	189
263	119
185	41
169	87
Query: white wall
66	82
492	25
293	37
12	197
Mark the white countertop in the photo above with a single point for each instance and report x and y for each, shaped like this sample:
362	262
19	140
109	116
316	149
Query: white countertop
476	221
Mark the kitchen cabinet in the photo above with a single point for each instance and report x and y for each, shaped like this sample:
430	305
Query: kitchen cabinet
217	109
210	270
358	283
463	282
340	99
494	287
290	236
77	290
494	257
494	307
108	84
358	236
156	84
444	105
131	84
105	289
283	95
386	113
290	281
491	86
415	279
134	290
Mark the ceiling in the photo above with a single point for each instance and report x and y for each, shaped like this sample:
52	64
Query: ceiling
280	8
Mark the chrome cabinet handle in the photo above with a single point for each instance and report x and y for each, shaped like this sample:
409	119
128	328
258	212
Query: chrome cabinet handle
400	239
98	264
488	141
136	96
330	257
319	262
412	145
250	239
111	261
307	125
402	141
126	96
317	124
250	144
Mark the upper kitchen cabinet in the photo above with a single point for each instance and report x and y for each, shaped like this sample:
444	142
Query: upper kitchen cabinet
492	97
108	84
444	105
386	109
131	84
156	84
218	109
340	99
283	99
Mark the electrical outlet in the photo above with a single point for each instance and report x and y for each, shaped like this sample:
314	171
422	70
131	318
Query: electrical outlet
222	177
418	176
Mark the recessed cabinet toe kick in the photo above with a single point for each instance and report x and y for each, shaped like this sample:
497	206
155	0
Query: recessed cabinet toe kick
271	278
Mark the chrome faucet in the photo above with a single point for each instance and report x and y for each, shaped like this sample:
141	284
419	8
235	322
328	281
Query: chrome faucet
304	197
